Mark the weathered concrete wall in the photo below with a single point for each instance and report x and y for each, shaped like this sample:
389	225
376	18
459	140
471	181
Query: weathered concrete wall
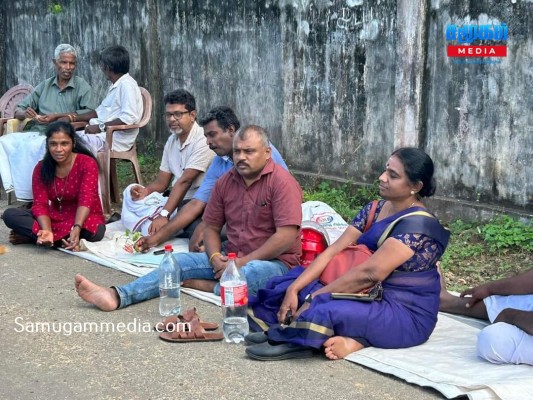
339	75
339	83
3	19
479	119
225	52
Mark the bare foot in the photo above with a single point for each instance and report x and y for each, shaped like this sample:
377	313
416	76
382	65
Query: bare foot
106	299
338	347
200	284
15	238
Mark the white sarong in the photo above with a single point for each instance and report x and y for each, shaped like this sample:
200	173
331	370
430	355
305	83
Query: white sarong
137	215
19	153
503	343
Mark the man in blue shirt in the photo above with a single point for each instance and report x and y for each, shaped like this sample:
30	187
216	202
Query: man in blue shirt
220	124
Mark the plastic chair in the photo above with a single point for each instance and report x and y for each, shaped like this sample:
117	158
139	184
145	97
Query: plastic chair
8	104
108	158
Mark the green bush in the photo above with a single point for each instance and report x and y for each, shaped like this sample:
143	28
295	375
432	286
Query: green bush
149	169
345	199
55	8
505	232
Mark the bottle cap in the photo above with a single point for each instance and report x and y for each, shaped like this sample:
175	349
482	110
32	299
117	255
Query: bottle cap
232	256
168	247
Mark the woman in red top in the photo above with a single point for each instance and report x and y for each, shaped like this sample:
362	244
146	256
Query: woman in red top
66	206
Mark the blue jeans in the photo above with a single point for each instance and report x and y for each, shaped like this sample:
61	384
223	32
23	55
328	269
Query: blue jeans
196	266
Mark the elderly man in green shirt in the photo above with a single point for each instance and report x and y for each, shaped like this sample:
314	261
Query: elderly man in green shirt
61	97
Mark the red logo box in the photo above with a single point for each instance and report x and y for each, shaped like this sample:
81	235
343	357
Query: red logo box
477	51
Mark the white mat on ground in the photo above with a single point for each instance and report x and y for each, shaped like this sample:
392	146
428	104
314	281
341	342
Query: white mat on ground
105	253
448	363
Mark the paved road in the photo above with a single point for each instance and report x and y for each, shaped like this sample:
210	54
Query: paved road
36	285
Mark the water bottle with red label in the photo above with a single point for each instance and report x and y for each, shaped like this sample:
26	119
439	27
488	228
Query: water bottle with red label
234	294
169	284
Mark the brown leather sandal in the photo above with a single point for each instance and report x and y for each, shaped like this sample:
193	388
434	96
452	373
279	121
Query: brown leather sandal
191	332
169	323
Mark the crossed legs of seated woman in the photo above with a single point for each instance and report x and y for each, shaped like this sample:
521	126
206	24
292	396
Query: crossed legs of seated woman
404	261
66	205
21	223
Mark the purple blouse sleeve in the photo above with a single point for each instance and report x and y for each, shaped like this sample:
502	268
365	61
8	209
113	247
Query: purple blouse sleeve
427	251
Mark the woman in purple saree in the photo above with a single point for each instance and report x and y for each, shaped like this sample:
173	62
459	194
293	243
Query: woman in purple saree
405	264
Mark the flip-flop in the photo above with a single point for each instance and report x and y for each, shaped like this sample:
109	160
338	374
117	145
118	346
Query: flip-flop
169	323
113	218
191	332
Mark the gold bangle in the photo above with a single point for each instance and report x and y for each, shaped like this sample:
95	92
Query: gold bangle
216	253
70	117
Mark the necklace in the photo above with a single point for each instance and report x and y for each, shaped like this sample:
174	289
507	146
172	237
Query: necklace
58	197
390	211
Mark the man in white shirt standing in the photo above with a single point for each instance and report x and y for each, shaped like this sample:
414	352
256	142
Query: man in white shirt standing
122	106
186	157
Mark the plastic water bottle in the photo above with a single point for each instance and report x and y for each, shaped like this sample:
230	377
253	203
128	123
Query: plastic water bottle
169	284
234	294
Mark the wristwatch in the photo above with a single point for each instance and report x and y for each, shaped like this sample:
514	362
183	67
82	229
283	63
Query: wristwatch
102	127
308	298
164	213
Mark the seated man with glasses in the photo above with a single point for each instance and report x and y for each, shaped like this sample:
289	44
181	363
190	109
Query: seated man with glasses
186	157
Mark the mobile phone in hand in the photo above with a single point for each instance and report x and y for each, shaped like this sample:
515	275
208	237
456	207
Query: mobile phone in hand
353	296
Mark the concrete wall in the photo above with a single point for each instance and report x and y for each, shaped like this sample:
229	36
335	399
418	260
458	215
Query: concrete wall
479	119
338	83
